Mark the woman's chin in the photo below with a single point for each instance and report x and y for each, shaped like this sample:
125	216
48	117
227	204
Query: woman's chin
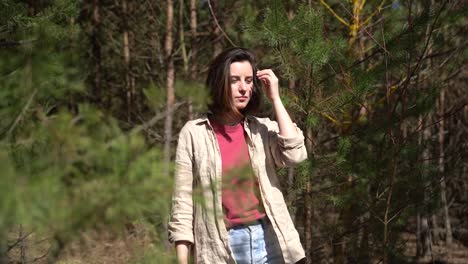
240	108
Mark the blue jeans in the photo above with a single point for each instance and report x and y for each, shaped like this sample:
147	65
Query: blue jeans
255	244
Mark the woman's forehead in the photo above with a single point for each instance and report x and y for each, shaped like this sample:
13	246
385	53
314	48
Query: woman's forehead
241	68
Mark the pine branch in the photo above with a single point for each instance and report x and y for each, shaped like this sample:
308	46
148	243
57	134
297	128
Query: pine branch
21	115
154	120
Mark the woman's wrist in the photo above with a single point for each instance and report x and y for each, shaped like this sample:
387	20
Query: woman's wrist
276	100
182	251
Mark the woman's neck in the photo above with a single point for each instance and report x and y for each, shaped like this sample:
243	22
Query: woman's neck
227	120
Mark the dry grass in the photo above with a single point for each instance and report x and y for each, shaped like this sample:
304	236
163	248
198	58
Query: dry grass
91	248
103	247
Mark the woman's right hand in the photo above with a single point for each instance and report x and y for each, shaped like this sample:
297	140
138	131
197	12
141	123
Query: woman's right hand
182	250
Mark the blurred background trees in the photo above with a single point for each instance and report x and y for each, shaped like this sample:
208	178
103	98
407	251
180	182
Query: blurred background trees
93	94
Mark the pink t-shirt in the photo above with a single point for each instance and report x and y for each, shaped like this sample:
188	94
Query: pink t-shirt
240	190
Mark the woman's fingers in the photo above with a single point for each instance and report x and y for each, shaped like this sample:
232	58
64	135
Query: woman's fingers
270	82
266	73
267	76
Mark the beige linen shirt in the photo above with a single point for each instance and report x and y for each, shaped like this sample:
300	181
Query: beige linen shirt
197	213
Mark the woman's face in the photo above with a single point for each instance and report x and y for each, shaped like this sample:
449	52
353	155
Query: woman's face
241	80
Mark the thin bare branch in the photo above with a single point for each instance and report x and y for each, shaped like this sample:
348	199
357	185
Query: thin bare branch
219	26
23	112
342	20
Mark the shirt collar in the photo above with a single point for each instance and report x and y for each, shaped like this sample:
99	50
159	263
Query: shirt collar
205	118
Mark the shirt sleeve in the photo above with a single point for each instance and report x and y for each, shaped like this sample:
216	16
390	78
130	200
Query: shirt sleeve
180	226
286	151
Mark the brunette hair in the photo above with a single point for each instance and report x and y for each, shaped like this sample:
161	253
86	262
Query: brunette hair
219	86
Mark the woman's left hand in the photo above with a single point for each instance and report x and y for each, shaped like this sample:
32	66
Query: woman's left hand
270	83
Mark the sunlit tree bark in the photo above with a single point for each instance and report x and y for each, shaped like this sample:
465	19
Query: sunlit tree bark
170	78
194	46
443	185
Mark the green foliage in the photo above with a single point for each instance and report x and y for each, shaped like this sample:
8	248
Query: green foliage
308	42
155	96
274	29
344	148
38	67
194	91
67	168
298	44
80	172
312	121
8	199
370	96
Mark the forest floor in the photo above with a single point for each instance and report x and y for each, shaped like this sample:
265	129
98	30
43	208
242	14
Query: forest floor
457	253
94	247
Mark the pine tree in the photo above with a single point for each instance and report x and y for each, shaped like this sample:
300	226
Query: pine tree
359	103
66	166
82	104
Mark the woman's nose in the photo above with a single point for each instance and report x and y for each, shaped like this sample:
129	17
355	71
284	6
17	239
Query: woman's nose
243	86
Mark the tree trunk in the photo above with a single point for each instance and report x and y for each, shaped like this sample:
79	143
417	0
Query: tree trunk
218	45
129	80
364	256
425	231
308	206
418	235
170	99
183	46
435	230
157	58
291	192
96	51
291	198
194	46
426	240
443	187
308	223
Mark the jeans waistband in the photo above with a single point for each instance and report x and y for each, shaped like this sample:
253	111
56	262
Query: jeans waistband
262	221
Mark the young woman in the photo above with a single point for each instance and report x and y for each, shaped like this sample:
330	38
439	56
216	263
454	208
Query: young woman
227	201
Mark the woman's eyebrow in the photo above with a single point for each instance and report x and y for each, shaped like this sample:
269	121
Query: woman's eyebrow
237	76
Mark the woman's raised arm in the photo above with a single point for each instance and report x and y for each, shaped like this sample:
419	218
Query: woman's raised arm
270	83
